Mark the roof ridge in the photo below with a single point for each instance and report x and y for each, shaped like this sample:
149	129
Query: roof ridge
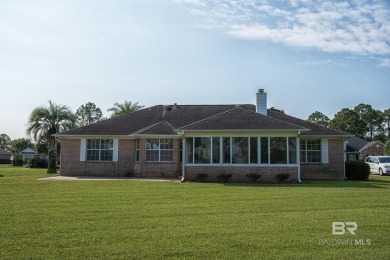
207	118
277	119
154	125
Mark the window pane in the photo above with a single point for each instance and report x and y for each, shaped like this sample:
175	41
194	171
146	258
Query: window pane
292	150
92	155
166	144
240	150
166	155
106	144
216	148
202	149
106	155
313	156
189	150
264	150
226	150
93	144
303	156
152	155
153	144
278	148
253	145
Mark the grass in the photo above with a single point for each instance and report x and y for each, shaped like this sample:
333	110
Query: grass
143	219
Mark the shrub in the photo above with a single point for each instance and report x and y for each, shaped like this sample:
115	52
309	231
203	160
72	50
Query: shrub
253	177
37	162
201	176
17	159
357	170
282	176
224	177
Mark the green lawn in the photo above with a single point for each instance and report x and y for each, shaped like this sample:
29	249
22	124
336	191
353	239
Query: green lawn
145	219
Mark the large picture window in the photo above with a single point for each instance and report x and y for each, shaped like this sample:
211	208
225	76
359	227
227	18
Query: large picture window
278	148
159	150
202	150
99	150
310	150
241	150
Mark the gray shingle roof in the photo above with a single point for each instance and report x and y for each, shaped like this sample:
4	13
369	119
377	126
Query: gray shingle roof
315	130
163	120
240	119
354	144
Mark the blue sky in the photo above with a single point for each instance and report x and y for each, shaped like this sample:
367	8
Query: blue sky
308	55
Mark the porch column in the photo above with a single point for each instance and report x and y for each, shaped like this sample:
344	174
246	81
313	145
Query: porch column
183	159
299	158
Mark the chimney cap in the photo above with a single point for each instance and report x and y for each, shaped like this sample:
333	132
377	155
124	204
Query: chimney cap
261	90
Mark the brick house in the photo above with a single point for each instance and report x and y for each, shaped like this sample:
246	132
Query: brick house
359	149
184	140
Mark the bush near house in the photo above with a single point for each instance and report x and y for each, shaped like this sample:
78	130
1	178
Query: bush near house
357	170
224	177
201	176
282	176
253	177
37	162
17	159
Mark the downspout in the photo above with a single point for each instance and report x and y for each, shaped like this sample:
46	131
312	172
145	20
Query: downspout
299	157
183	170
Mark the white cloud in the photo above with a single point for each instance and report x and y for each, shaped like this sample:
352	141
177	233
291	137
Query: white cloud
357	27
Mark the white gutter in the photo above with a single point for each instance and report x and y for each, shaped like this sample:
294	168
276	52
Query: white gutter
183	158
299	157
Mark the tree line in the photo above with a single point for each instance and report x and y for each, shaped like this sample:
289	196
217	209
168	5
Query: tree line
45	121
362	121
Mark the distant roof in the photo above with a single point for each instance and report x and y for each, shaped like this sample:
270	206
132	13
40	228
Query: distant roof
4	152
165	120
354	144
29	151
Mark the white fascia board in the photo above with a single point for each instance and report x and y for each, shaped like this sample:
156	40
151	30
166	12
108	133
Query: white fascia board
240	133
325	136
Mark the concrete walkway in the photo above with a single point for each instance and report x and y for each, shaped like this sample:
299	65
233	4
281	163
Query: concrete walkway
88	178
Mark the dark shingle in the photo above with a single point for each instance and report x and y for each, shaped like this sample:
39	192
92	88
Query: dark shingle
240	119
314	128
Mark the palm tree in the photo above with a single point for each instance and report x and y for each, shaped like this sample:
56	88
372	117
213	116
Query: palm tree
44	122
125	108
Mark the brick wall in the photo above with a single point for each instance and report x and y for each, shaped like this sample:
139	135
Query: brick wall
126	165
377	149
72	166
238	173
334	169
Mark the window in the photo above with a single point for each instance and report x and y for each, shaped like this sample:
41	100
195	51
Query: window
310	150
240	150
190	150
226	150
292	150
264	150
253	150
99	150
159	150
137	150
202	150
278	148
216	150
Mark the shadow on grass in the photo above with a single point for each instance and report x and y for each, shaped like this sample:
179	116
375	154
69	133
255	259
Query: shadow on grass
371	183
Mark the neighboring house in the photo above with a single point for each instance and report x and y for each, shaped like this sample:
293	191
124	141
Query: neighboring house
28	153
359	149
5	156
185	140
